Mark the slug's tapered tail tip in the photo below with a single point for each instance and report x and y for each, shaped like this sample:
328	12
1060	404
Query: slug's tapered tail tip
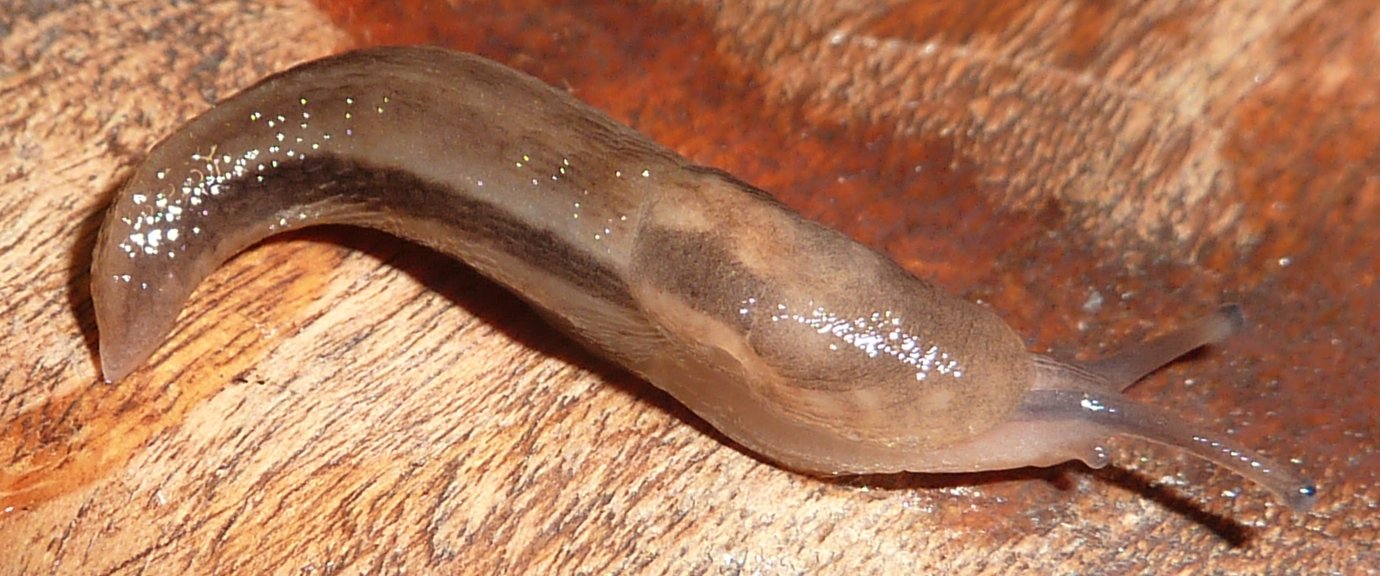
111	369
132	317
128	337
116	359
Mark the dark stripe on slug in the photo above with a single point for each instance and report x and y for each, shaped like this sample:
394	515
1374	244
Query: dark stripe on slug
700	271
386	199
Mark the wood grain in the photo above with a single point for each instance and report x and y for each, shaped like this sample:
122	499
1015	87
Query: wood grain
338	401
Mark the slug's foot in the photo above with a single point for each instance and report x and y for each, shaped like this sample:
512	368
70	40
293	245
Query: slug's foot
1023	442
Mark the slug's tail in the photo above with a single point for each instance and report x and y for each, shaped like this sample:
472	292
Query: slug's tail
1086	397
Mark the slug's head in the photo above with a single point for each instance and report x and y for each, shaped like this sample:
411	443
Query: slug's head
1073	408
972	400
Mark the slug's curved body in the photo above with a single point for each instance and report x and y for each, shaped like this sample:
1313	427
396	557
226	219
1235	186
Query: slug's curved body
795	341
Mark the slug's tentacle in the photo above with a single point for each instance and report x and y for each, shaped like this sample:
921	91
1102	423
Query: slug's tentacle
1102	414
1127	367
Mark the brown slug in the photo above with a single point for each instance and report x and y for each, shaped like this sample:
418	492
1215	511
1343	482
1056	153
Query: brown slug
804	346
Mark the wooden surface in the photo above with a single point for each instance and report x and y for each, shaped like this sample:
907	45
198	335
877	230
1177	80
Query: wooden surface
342	402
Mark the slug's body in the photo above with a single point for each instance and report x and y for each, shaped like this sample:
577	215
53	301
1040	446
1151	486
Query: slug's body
795	341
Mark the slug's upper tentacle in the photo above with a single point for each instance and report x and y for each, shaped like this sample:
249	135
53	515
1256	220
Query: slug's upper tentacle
1126	368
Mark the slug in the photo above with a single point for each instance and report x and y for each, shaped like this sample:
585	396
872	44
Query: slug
805	347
